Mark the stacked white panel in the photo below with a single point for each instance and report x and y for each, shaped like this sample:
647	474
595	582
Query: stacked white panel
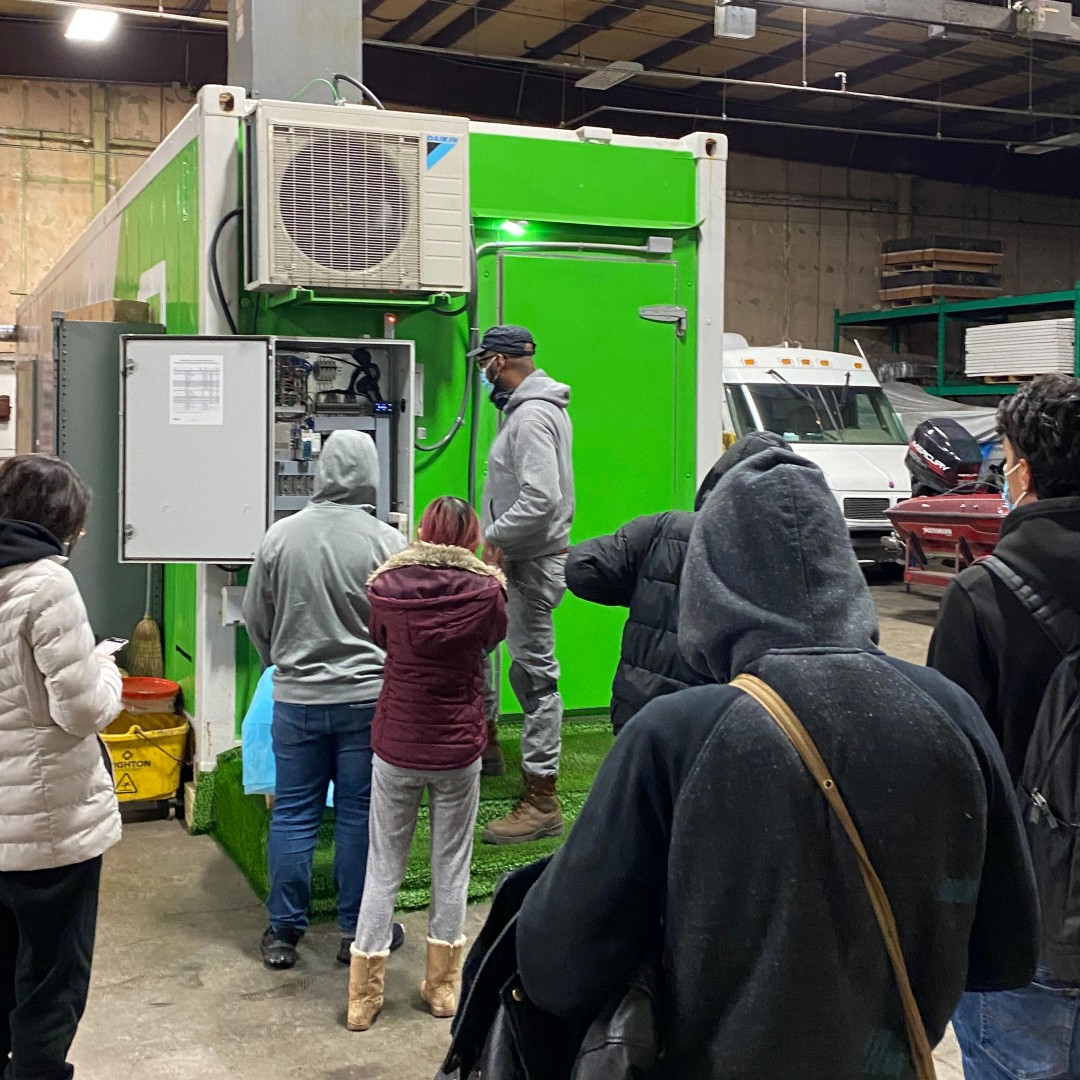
1020	348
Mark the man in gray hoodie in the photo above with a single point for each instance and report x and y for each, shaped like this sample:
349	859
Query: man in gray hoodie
307	611
527	510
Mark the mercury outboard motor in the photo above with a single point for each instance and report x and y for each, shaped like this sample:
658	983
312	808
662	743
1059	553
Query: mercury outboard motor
942	456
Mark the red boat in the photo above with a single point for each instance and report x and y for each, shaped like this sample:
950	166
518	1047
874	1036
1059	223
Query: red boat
940	535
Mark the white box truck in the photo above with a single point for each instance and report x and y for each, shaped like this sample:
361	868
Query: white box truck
832	410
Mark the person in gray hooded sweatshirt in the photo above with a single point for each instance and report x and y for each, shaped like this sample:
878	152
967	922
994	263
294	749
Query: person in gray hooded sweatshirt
528	505
307	612
707	844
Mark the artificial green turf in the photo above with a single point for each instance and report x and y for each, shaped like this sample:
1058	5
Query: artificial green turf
242	822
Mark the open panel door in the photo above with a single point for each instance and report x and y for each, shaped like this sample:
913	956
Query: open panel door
196	449
86	422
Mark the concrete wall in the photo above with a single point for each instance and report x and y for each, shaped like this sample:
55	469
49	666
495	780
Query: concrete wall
803	239
65	148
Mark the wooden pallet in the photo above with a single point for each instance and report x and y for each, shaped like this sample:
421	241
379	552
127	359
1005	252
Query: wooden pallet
924	294
1006	380
963	260
931	265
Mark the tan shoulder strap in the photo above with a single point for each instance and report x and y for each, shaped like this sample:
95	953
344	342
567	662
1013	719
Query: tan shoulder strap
789	723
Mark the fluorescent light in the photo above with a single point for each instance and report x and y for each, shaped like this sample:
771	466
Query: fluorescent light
1048	146
735	22
618	71
91	24
514	228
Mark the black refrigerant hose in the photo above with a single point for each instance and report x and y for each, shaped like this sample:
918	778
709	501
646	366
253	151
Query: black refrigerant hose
359	86
215	273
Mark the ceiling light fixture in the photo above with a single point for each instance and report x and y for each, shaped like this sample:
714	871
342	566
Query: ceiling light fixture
1048	146
734	21
89	24
618	71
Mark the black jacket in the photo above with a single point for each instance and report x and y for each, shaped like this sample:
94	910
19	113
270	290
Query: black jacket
639	567
705	838
987	643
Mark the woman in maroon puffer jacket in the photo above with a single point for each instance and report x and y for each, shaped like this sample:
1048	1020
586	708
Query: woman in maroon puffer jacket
437	610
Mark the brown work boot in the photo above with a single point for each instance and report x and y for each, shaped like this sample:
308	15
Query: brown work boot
492	762
439	988
536	816
367	977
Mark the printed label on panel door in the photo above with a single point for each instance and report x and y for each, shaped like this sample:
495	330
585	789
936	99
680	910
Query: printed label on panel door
196	390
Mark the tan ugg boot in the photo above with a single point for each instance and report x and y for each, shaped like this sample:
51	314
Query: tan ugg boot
537	815
439	988
492	762
367	977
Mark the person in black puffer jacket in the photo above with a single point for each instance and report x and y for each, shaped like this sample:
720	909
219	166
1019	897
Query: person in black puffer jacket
639	567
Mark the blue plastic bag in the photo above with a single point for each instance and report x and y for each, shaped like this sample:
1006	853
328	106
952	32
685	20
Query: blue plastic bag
256	742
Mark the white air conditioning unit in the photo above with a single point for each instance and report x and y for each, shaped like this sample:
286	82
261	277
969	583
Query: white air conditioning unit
344	197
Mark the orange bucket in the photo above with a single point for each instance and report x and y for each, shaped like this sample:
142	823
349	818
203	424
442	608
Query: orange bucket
142	695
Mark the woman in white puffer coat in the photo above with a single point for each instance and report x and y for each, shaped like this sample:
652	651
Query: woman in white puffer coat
58	810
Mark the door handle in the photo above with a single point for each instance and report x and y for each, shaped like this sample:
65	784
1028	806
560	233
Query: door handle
666	313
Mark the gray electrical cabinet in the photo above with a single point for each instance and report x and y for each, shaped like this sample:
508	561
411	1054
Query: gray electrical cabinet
221	436
86	361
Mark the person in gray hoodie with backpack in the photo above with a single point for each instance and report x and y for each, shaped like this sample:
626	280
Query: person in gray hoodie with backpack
528	505
307	612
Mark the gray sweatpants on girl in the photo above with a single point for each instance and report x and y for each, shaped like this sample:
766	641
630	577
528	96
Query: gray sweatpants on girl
453	800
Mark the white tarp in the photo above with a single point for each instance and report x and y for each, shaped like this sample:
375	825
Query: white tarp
914	405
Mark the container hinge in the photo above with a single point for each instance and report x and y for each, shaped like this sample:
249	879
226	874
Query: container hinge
666	313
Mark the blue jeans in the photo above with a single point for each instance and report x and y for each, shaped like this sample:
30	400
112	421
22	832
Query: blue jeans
314	744
1029	1034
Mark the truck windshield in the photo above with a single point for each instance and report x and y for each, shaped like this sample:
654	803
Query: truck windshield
816	414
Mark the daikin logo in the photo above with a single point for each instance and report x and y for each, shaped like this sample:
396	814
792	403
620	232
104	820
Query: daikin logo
438	146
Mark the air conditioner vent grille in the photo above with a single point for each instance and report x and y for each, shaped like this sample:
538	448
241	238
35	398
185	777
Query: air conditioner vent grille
347	203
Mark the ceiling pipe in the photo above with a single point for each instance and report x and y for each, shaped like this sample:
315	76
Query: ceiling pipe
698	116
142	13
671	76
558	68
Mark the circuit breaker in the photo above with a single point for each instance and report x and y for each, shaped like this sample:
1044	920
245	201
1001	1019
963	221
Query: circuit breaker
221	436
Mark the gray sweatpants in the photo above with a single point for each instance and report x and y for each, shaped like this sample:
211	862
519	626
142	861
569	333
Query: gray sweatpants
534	589
453	799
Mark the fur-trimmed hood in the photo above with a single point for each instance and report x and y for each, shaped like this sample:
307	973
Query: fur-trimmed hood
439	557
436	611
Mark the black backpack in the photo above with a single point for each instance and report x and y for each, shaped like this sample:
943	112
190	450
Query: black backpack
1049	784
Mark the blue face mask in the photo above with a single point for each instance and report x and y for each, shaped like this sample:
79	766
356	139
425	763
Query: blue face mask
1006	498
485	380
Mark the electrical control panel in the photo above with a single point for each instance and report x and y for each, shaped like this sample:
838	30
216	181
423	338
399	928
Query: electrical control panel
222	436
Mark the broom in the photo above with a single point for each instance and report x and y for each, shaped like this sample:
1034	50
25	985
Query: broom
144	652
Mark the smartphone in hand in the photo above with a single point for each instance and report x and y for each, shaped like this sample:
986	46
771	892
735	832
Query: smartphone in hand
110	646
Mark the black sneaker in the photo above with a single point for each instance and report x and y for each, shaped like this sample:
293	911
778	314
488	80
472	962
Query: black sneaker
278	948
397	939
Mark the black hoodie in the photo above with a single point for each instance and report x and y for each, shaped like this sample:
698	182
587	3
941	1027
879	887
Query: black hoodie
989	644
706	841
24	542
639	567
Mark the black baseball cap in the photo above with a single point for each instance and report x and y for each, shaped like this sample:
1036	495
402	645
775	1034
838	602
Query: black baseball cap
508	340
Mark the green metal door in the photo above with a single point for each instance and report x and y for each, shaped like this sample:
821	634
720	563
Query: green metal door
623	377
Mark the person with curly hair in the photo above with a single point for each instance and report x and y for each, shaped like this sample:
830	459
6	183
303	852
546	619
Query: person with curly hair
988	643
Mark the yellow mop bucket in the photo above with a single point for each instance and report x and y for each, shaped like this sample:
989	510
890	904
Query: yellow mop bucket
147	741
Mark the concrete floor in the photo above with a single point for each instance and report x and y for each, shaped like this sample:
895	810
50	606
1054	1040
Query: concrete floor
179	993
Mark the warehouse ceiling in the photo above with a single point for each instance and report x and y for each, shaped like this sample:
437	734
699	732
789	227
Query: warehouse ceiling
813	83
